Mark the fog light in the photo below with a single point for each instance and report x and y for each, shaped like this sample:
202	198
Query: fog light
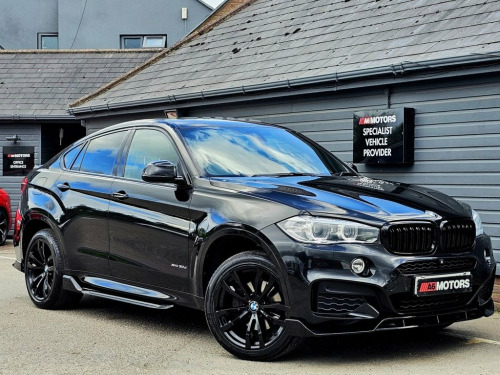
358	266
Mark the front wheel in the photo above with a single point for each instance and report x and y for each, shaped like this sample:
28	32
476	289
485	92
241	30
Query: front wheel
43	273
245	308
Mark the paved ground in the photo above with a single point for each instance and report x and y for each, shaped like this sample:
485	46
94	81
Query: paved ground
103	337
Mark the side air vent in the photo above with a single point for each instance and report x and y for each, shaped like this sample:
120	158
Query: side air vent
337	303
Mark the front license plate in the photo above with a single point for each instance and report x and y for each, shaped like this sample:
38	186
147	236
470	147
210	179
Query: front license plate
443	284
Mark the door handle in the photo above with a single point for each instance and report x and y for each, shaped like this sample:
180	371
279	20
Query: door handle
120	195
63	187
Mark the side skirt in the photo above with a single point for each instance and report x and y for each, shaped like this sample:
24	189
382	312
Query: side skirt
70	283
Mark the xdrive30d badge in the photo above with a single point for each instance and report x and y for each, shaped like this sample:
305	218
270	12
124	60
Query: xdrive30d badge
267	232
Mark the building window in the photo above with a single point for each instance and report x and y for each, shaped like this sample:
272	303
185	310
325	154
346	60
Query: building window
143	41
132	42
154	41
48	41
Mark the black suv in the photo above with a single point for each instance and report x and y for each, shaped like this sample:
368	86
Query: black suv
267	232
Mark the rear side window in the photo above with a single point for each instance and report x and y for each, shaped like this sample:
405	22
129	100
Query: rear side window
100	156
148	146
78	161
71	155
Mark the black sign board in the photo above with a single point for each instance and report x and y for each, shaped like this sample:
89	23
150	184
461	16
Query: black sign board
18	160
384	136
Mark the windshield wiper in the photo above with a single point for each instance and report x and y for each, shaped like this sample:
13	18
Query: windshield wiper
345	173
287	174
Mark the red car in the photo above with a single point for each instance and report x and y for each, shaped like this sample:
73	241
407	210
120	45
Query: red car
4	216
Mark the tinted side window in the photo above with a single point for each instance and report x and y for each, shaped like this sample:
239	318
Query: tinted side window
148	146
71	155
101	154
78	161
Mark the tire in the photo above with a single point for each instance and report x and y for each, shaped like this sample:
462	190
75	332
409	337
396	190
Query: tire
43	273
4	227
245	308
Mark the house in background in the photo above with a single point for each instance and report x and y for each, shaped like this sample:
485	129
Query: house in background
315	66
36	87
35	90
103	24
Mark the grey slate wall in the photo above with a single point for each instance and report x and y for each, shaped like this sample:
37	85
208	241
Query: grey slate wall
104	21
457	134
90	24
21	20
30	136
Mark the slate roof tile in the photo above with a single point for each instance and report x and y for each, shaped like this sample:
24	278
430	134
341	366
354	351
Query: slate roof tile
43	83
279	40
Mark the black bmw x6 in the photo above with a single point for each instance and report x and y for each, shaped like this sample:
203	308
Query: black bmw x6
267	232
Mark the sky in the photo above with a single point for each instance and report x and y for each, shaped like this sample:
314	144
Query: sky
213	3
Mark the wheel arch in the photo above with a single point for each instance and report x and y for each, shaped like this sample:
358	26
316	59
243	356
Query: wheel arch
9	219
226	242
34	222
6	213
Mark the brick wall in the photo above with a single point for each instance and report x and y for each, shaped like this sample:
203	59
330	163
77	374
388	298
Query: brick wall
496	291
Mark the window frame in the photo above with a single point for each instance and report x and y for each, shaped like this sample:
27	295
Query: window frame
79	159
143	39
146	37
124	38
80	147
48	34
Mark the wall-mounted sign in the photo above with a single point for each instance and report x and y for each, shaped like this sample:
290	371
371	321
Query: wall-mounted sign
384	136
18	160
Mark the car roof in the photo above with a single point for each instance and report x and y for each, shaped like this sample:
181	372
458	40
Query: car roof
211	122
183	123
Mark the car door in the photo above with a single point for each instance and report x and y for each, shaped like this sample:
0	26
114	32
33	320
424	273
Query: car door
148	225
84	188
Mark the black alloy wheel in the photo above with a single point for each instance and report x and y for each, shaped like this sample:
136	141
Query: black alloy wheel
245	308
43	273
4	227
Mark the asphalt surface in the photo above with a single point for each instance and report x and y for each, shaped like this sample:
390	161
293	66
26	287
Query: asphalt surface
104	337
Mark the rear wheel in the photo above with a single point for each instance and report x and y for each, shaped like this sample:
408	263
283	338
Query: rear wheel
43	273
4	227
246	308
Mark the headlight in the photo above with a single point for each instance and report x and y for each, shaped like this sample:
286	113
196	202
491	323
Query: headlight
478	223
328	231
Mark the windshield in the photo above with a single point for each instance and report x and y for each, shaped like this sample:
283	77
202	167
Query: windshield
257	150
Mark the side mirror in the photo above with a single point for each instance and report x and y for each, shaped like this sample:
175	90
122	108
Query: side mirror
161	171
353	166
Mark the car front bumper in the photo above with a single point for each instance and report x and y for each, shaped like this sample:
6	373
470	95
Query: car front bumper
326	297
